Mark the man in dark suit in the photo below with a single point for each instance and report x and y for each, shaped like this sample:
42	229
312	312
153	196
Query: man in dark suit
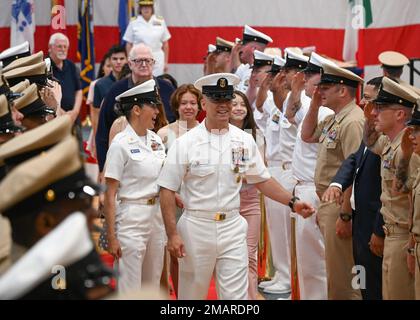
362	170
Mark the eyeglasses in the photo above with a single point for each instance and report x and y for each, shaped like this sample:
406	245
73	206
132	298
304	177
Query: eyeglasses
146	61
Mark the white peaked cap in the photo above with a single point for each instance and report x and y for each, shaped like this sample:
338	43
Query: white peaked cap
279	61
211	48
251	34
291	54
258	55
69	242
145	87
19	49
318	60
212	80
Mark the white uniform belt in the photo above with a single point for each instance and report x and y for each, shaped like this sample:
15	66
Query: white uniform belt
149	201
212	215
286	165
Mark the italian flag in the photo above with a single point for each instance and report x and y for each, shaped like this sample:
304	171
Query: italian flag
359	16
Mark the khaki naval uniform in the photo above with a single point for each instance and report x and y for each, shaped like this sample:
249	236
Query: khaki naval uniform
339	136
211	167
415	230
5	244
139	225
397	283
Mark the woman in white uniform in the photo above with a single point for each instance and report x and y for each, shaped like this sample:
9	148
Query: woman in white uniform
153	32
136	234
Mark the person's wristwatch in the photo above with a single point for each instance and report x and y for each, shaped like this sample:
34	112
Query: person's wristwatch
292	203
345	216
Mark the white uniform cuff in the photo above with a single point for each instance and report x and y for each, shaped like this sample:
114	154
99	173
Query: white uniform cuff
335	184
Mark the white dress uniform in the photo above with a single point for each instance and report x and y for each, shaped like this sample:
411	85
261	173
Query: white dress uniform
261	118
310	249
152	33
244	73
280	137
244	70
136	164
205	163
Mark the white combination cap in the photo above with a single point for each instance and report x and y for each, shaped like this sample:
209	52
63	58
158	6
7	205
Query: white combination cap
218	86
295	60
251	34
14	53
262	59
143	93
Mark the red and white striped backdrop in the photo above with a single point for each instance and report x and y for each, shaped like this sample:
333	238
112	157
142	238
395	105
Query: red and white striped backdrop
196	23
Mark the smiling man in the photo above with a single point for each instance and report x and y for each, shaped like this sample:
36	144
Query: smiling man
211	161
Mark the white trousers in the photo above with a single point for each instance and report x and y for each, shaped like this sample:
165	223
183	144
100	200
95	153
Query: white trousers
217	247
142	238
310	249
278	221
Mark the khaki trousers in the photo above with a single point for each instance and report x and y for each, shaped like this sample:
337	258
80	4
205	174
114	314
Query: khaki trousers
338	255
397	283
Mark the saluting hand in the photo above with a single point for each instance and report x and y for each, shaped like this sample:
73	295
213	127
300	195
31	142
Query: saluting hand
298	82
176	246
316	101
266	83
333	193
406	144
304	209
368	111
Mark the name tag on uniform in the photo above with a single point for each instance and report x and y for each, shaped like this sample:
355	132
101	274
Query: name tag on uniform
133	151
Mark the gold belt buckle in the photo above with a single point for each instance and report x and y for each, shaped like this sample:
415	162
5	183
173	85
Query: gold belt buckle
151	201
387	231
220	216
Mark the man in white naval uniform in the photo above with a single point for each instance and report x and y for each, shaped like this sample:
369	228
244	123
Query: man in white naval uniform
264	102
310	249
259	72
281	169
211	161
251	40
